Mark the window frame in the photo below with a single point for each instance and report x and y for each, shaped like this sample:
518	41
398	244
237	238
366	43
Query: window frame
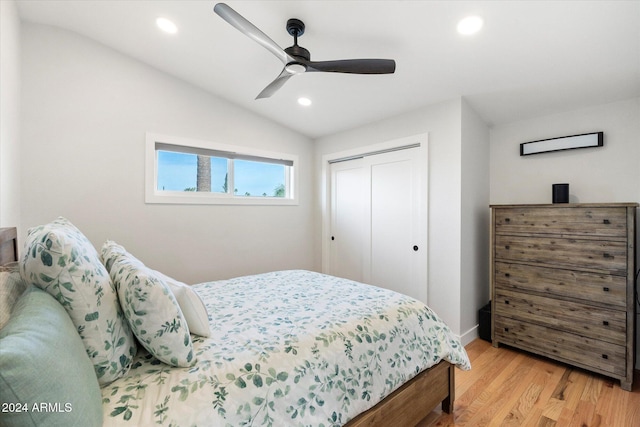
153	195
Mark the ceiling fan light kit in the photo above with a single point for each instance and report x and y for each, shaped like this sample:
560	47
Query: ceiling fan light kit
297	59
295	68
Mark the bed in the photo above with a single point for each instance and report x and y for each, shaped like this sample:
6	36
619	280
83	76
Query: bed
294	347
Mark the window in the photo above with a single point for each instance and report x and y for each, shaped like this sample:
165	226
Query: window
186	171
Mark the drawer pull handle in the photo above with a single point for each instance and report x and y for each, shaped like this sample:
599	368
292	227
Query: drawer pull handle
606	255
507	275
606	289
605	322
506	302
507	220
604	356
506	247
506	329
606	221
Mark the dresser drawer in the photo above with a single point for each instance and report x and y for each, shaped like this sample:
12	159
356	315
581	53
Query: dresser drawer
567	347
605	256
588	287
582	319
578	221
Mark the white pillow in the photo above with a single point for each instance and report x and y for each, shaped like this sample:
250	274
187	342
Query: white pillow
150	307
191	305
60	259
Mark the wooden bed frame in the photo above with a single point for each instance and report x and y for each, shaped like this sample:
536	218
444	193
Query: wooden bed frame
413	401
405	407
8	245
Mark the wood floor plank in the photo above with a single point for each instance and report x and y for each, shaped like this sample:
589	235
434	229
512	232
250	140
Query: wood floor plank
553	375
583	414
483	367
507	387
497	393
524	397
592	389
604	405
566	397
472	395
524	402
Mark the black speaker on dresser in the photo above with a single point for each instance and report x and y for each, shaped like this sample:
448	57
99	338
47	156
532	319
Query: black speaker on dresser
560	193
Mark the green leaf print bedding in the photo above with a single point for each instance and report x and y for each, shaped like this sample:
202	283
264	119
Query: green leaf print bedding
288	348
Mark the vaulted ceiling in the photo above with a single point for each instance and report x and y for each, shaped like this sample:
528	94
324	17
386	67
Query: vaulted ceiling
530	58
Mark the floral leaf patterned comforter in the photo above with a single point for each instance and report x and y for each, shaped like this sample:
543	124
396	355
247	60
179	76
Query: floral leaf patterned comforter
288	348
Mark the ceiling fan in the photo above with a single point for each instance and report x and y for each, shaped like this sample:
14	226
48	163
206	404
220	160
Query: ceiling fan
297	59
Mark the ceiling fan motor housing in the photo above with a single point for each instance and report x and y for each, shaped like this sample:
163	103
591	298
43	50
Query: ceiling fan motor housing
298	52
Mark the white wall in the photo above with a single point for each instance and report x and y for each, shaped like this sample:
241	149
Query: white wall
442	122
9	115
475	221
607	174
86	109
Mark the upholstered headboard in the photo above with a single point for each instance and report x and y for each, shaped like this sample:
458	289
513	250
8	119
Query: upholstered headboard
8	245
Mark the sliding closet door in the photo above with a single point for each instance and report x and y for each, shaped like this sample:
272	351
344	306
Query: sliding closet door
378	220
347	211
392	218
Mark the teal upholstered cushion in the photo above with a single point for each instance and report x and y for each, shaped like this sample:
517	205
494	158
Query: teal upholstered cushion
60	259
150	307
46	377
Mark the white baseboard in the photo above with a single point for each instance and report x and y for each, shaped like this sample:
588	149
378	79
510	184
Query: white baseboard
469	336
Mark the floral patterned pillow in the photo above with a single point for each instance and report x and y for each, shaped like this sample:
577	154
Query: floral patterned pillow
150	307
59	259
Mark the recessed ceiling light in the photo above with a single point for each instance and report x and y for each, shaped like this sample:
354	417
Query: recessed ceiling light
166	25
470	25
305	102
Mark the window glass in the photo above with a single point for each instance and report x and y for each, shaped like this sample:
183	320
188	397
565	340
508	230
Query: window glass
185	171
259	179
179	172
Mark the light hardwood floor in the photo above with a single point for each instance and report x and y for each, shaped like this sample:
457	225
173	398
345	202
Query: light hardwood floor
507	387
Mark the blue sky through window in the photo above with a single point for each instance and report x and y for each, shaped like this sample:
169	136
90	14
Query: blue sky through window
177	172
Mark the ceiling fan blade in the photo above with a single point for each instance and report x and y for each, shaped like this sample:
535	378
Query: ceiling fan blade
275	85
354	66
251	31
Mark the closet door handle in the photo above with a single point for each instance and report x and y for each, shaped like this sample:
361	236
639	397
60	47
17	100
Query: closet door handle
415	248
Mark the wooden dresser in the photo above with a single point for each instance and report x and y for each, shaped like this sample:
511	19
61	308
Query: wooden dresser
562	283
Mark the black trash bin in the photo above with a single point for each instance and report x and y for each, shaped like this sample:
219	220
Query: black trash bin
484	322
